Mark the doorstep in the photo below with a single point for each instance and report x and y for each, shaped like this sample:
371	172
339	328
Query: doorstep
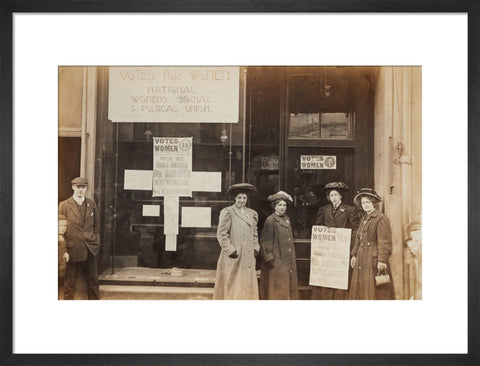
166	277
123	292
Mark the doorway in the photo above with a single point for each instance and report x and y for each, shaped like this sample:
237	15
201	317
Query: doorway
69	153
309	170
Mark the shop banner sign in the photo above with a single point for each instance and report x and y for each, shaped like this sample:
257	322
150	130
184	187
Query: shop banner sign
174	94
330	257
172	166
318	162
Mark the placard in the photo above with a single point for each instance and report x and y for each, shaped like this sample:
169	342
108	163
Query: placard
174	94
151	210
318	162
206	181
137	179
330	257
172	166
170	242
196	217
170	213
270	162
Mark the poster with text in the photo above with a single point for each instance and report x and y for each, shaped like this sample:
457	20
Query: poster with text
174	94
172	166
330	256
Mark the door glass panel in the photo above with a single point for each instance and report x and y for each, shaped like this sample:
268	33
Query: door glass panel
336	125
307	179
304	125
320	106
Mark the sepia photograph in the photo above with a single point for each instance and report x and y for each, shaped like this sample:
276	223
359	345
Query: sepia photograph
240	183
187	163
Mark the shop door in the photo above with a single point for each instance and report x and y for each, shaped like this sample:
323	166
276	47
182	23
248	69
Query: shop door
309	169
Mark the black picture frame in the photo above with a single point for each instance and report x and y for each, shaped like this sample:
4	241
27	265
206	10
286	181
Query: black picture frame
9	7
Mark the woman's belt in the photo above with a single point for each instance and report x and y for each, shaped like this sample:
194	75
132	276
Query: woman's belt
368	244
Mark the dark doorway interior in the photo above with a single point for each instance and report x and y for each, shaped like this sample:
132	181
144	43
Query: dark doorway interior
69	149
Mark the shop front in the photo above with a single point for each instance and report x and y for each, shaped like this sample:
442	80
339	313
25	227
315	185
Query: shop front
293	128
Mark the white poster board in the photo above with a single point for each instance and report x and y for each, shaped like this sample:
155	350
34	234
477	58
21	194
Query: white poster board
330	256
174	94
196	217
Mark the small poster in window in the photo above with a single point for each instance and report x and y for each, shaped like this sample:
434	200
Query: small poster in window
316	162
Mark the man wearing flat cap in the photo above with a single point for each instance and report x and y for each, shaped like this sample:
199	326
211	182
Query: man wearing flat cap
82	239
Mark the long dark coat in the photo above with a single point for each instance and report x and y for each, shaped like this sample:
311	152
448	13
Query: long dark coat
80	236
280	281
236	278
373	244
344	216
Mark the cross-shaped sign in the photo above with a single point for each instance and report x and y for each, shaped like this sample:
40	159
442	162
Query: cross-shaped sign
172	177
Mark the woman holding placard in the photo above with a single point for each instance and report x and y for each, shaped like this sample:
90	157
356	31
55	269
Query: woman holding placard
236	277
339	215
371	279
278	280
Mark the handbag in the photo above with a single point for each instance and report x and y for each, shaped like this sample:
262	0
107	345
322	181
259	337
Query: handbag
382	279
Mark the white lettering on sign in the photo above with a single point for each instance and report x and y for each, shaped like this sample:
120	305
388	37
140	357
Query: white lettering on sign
330	257
318	162
174	94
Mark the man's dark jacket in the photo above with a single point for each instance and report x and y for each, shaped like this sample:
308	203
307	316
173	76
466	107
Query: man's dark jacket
81	236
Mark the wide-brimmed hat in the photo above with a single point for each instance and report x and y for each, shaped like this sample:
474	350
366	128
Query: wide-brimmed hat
79	181
280	195
338	186
365	192
234	189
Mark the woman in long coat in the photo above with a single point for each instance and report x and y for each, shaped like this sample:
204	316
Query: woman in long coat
236	277
371	251
278	280
339	215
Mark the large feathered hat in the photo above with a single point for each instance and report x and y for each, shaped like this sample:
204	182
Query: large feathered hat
366	192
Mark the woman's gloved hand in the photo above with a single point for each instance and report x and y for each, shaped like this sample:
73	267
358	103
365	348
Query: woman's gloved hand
234	254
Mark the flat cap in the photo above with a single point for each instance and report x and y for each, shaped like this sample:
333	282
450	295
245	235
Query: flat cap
280	195
79	181
241	187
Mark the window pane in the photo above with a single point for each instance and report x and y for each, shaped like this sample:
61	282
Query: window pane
304	126
335	125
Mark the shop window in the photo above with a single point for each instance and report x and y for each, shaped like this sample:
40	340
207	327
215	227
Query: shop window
263	138
217	148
